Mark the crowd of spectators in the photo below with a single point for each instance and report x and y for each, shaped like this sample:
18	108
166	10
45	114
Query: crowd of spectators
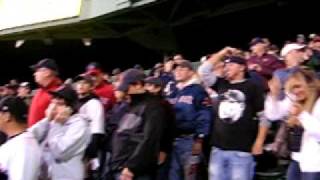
215	120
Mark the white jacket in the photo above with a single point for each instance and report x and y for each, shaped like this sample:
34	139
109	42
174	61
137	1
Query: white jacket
94	110
309	155
63	146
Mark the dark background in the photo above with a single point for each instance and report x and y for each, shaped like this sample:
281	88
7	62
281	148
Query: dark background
280	22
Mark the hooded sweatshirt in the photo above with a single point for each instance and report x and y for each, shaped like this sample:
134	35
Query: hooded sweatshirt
63	146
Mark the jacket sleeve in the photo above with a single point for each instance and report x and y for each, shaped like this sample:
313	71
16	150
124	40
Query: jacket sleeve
64	145
204	112
146	153
96	115
40	129
311	122
276	109
206	74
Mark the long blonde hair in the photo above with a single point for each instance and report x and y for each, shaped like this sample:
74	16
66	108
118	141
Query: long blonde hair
310	81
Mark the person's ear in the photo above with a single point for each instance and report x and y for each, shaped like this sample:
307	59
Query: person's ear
6	116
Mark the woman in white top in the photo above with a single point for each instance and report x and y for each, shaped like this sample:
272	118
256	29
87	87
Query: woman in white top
301	109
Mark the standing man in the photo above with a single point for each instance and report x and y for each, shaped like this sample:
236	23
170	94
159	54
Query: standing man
236	134
20	155
46	76
193	118
102	88
91	106
154	86
136	141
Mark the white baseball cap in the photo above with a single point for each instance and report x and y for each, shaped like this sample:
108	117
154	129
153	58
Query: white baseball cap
289	47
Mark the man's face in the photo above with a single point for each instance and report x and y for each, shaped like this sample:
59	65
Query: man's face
316	45
295	57
136	88
258	47
97	79
56	105
183	74
41	75
4	117
23	91
232	70
83	87
151	88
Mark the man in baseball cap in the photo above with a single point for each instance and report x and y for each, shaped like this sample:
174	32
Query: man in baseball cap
102	88
21	154
138	134
260	61
130	77
46	76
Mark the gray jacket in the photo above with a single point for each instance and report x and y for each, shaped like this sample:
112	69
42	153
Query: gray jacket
63	146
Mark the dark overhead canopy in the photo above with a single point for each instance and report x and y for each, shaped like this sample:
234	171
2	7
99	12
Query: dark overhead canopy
151	25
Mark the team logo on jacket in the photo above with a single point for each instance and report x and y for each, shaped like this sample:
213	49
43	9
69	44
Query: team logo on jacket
232	106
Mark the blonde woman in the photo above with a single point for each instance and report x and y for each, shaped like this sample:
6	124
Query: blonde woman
301	110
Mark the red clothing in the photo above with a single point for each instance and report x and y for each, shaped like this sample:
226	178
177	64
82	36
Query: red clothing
105	92
41	101
268	63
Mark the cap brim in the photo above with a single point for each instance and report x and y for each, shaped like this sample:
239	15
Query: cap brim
56	94
79	78
34	67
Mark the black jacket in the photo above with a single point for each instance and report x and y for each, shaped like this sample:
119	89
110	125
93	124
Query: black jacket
136	141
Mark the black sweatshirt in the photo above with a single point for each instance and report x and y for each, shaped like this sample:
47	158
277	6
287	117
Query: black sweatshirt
136	142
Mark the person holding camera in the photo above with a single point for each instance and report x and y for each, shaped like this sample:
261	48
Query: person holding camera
301	109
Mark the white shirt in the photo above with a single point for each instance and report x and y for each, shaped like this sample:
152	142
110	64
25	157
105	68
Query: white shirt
94	110
309	155
20	157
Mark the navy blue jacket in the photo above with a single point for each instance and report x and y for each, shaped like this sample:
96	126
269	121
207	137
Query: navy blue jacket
192	108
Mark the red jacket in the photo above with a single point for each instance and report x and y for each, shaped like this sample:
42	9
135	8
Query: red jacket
41	101
105	92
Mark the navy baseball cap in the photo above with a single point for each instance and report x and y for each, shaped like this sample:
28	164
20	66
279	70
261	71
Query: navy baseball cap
46	63
15	106
86	77
236	59
184	64
130	76
257	40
